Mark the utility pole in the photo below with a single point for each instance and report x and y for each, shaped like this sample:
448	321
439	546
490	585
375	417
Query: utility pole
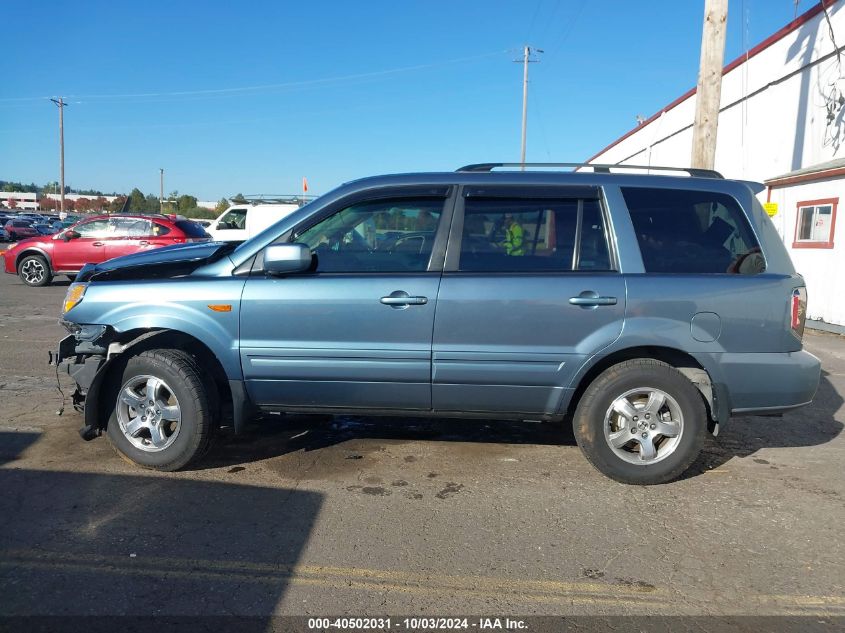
526	59
61	105
161	190
709	90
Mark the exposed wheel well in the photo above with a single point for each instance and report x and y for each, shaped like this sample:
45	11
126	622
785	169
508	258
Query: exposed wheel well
140	340
674	357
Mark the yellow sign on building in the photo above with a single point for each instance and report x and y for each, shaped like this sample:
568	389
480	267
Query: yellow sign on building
771	208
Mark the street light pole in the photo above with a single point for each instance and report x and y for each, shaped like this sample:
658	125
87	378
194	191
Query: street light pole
526	59
61	105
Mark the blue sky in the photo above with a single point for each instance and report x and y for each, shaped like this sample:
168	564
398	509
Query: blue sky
251	96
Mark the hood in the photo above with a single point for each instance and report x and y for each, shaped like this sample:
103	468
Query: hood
169	261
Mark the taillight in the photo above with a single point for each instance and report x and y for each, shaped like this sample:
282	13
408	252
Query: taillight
798	311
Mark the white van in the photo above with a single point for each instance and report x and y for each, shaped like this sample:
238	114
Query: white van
243	221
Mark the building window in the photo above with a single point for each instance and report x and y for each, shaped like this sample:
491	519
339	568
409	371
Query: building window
815	223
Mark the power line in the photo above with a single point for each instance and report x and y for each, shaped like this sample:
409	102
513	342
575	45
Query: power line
260	87
534	19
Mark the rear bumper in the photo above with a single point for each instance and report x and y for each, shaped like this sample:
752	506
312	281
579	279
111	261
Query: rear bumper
764	384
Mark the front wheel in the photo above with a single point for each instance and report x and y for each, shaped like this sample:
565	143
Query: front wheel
641	422
161	418
35	271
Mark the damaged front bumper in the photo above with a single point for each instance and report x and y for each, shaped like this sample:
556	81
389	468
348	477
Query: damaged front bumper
84	356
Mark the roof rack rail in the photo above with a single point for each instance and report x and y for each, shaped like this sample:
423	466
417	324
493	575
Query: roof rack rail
597	168
278	198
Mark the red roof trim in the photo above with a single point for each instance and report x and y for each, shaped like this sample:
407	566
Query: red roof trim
775	37
814	176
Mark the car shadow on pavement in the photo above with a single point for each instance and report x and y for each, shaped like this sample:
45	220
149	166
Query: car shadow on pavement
94	544
812	425
274	436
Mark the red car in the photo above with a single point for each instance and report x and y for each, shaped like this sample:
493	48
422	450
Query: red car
19	229
94	240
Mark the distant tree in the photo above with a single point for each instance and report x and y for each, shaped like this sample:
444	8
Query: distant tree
83	204
238	198
221	206
152	204
137	201
100	203
70	205
117	204
48	204
185	203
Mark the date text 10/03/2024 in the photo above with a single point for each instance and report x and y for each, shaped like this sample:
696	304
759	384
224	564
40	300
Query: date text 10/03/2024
417	623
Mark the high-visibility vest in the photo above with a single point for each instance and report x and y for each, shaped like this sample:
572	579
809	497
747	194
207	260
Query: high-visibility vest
513	240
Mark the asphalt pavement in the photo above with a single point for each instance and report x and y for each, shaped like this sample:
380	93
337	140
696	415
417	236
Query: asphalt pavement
374	516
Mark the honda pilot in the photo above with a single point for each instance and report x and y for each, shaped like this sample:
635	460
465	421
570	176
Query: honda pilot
645	310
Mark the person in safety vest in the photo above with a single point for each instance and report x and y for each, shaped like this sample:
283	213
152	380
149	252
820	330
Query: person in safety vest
513	243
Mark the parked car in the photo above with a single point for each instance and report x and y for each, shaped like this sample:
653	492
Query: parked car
95	240
645	310
19	229
244	221
45	228
4	235
33	217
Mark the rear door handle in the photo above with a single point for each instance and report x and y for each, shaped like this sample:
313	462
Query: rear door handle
144	243
97	244
401	299
591	299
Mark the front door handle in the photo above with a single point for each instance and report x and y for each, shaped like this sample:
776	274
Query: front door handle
401	299
143	243
97	244
591	299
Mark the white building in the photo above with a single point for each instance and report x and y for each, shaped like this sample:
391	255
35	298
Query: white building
23	200
781	122
77	196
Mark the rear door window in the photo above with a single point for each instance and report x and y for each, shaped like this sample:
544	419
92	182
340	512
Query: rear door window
533	235
130	227
681	231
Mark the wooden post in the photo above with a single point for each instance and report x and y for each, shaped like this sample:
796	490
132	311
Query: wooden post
709	91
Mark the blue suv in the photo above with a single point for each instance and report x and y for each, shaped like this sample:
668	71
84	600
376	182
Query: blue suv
645	309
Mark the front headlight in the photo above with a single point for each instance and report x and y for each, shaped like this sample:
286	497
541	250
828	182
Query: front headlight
74	295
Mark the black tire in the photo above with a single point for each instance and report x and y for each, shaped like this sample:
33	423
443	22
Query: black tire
589	420
35	271
185	380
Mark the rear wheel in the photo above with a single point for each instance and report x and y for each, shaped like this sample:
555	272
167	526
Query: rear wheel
161	418
641	422
35	271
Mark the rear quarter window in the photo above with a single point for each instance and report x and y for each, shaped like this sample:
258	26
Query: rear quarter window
681	231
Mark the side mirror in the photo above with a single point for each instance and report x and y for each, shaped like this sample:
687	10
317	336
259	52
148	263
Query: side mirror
70	235
285	259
